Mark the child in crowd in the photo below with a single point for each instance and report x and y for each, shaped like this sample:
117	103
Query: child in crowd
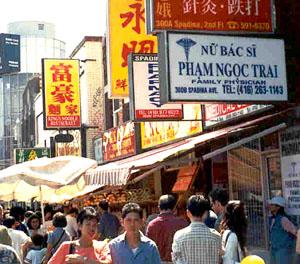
37	252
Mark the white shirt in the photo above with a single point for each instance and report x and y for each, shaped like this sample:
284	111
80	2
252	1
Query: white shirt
233	253
36	256
72	226
18	238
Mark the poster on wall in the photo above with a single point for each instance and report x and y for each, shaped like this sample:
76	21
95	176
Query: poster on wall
206	68
119	142
290	168
98	150
61	94
210	15
144	91
215	114
126	34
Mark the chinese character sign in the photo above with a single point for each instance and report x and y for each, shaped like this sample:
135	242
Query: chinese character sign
61	93
210	15
126	35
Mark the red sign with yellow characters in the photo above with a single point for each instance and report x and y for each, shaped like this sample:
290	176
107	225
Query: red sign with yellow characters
61	94
127	34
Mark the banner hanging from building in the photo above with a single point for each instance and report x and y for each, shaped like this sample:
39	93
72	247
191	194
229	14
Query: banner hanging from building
72	148
205	68
9	53
144	91
158	133
26	154
127	34
61	94
98	150
119	142
215	114
210	15
290	168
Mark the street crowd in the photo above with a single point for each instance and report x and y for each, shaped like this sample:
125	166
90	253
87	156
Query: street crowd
213	232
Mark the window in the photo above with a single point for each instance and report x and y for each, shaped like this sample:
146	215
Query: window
41	26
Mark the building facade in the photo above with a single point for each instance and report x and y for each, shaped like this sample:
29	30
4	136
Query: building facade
37	42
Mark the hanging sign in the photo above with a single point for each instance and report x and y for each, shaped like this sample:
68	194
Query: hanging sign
215	114
290	168
119	142
61	94
245	16
218	68
144	91
126	34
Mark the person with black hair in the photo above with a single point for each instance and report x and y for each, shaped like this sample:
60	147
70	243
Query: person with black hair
282	233
219	199
18	213
86	249
132	246
37	251
109	224
72	226
34	224
57	236
162	229
234	232
197	244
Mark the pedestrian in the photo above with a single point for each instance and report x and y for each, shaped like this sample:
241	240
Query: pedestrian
19	239
4	236
57	236
34	224
37	251
26	218
219	199
162	229
132	247
18	213
109	224
1	214
72	227
86	249
234	232
196	244
282	233
8	255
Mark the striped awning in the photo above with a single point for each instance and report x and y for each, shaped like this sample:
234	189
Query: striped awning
119	172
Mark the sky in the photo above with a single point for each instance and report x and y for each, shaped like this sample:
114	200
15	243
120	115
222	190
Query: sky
73	19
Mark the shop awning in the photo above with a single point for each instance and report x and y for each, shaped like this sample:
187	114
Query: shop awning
118	172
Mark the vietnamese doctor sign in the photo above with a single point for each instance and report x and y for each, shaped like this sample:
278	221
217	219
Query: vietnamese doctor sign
218	68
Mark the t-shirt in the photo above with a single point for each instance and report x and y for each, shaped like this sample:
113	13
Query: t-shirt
109	226
8	255
72	226
4	236
35	256
56	237
99	252
18	239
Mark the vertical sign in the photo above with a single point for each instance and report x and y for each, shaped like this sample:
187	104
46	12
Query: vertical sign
61	94
290	168
144	91
127	34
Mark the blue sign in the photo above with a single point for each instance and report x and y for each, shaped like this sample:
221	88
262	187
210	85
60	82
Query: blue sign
9	53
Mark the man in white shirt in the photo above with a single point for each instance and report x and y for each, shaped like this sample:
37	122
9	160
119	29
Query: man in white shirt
19	238
72	227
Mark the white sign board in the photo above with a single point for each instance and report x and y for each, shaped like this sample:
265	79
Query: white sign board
220	113
290	168
144	91
218	68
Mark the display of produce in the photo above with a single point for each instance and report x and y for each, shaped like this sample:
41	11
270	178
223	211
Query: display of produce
121	197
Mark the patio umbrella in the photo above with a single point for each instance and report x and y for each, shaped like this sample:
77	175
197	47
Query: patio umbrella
49	179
